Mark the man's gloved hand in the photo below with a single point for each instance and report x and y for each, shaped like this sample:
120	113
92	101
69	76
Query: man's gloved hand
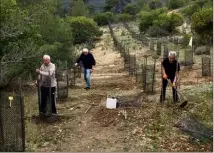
75	64
165	76
36	84
174	84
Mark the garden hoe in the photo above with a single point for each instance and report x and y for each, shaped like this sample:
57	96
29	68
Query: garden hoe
184	101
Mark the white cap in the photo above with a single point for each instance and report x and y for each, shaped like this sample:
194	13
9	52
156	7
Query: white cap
172	53
85	50
46	57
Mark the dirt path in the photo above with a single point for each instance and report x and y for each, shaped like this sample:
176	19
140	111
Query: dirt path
92	131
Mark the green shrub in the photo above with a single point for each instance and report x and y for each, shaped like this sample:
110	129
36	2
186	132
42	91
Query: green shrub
103	18
174	4
190	10
202	23
203	3
124	17
146	19
163	21
79	8
156	31
186	39
154	4
131	9
83	29
168	22
176	19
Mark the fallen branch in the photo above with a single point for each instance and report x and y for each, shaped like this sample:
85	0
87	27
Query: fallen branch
88	109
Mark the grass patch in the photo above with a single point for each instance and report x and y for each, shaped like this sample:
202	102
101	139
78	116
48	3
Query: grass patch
203	110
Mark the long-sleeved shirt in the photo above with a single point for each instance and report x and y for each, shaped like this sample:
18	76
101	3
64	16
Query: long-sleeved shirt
45	81
171	68
87	60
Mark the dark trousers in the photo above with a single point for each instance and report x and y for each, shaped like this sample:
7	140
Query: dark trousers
45	96
163	91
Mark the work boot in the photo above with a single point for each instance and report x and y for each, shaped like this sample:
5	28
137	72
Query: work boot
162	99
175	100
87	88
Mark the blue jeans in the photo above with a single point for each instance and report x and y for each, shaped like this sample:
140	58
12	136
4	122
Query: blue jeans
87	77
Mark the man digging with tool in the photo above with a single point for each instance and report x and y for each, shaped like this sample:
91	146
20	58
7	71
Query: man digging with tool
170	69
88	64
47	82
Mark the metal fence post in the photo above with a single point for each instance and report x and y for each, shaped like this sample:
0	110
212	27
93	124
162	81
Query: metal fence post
22	115
1	130
153	79
39	92
50	99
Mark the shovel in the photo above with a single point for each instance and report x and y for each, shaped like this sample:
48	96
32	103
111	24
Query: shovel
184	101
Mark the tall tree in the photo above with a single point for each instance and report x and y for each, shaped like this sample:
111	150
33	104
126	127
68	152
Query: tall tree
154	4
115	6
79	8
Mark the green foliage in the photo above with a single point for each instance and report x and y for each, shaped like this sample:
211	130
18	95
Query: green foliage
91	8
154	4
156	31
168	22
79	9
147	18
163	21
110	4
176	19
202	23
115	6
103	18
209	3
159	18
186	39
140	4
28	30
131	9
174	4
206	3
190	10
124	17
83	29
159	11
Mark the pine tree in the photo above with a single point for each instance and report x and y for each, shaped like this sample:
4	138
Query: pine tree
79	8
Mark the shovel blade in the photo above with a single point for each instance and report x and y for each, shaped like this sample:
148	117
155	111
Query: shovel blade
183	104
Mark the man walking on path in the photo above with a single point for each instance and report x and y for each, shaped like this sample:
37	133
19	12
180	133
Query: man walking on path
88	63
170	69
47	82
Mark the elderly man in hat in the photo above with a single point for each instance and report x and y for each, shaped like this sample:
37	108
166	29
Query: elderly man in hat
170	69
88	63
47	82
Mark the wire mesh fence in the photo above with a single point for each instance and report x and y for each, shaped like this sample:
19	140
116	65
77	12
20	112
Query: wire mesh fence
147	73
151	46
140	37
12	128
62	80
159	48
166	51
132	65
129	60
206	66
73	74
